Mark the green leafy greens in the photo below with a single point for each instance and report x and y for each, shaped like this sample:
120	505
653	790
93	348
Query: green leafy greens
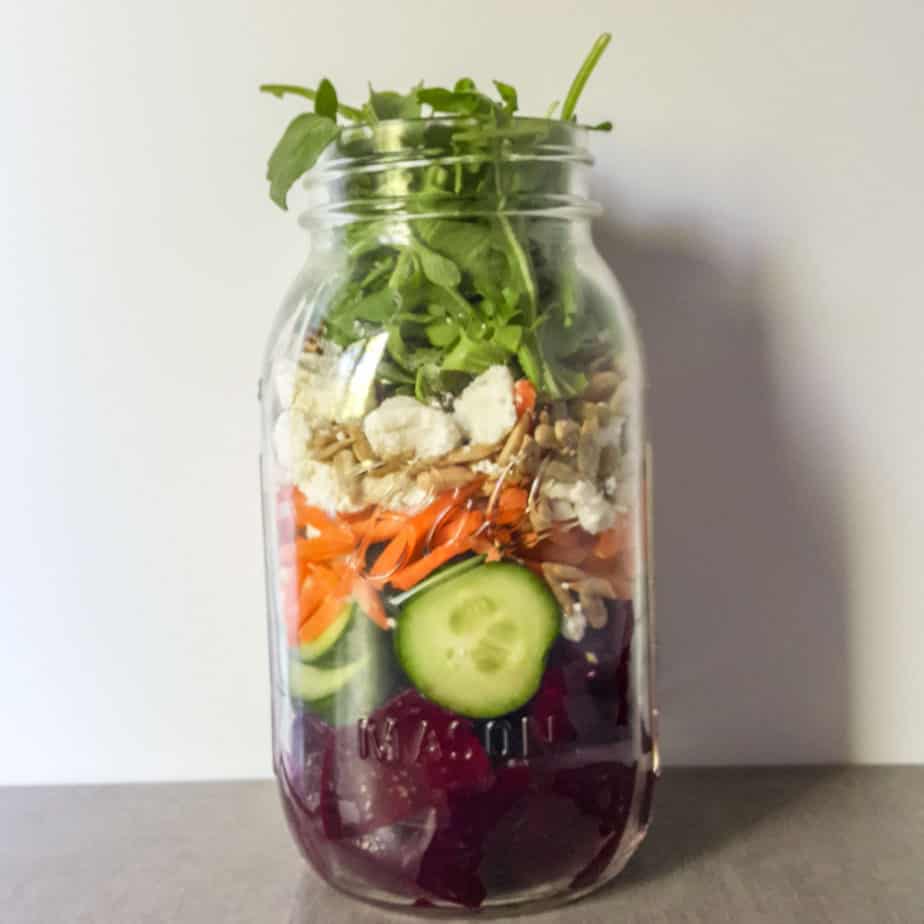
460	278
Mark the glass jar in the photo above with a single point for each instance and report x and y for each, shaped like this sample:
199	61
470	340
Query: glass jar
454	490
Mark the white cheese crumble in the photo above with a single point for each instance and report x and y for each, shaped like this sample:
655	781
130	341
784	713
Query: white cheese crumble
327	488
395	492
593	511
334	385
291	434
403	425
284	382
485	409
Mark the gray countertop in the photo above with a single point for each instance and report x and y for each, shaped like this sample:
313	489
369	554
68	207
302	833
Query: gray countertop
732	845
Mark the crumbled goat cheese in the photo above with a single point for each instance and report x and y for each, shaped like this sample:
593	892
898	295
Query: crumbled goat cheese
593	511
395	492
326	487
402	425
330	386
291	434
284	382
485	409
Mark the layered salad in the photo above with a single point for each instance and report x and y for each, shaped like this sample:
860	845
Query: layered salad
455	480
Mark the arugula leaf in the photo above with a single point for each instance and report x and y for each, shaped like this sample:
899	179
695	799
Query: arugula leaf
583	74
437	268
279	90
297	152
325	100
457	280
508	94
473	356
387	104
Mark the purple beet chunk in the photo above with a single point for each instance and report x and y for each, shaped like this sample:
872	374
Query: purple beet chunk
444	744
603	791
304	760
543	839
407	757
548	712
450	868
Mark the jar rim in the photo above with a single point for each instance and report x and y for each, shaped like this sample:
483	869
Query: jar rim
397	148
391	139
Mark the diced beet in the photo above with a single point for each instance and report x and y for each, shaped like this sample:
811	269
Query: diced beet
451	867
449	870
548	712
444	744
603	791
542	839
407	757
305	758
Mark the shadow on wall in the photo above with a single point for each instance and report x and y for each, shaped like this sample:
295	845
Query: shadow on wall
748	535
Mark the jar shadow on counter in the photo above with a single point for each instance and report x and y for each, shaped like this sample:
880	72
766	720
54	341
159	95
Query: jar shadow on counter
749	543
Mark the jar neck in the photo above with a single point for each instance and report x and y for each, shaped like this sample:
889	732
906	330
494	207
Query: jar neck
452	168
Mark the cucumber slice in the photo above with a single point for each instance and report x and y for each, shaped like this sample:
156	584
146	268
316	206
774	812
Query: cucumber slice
364	688
311	651
309	682
476	643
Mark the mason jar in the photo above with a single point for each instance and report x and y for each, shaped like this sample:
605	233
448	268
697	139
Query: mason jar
454	485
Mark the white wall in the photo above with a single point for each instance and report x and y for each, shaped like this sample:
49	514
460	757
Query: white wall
764	189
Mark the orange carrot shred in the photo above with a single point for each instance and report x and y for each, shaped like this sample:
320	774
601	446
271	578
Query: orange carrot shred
458	526
415	573
524	396
322	548
370	602
323	617
378	527
394	555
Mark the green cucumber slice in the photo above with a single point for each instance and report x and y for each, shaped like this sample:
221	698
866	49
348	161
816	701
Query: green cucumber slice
476	643
364	689
309	682
311	651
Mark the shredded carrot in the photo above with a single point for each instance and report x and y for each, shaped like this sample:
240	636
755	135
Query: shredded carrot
485	547
415	573
417	528
322	548
325	524
378	527
394	555
323	617
511	506
319	583
370	602
524	396
459	526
